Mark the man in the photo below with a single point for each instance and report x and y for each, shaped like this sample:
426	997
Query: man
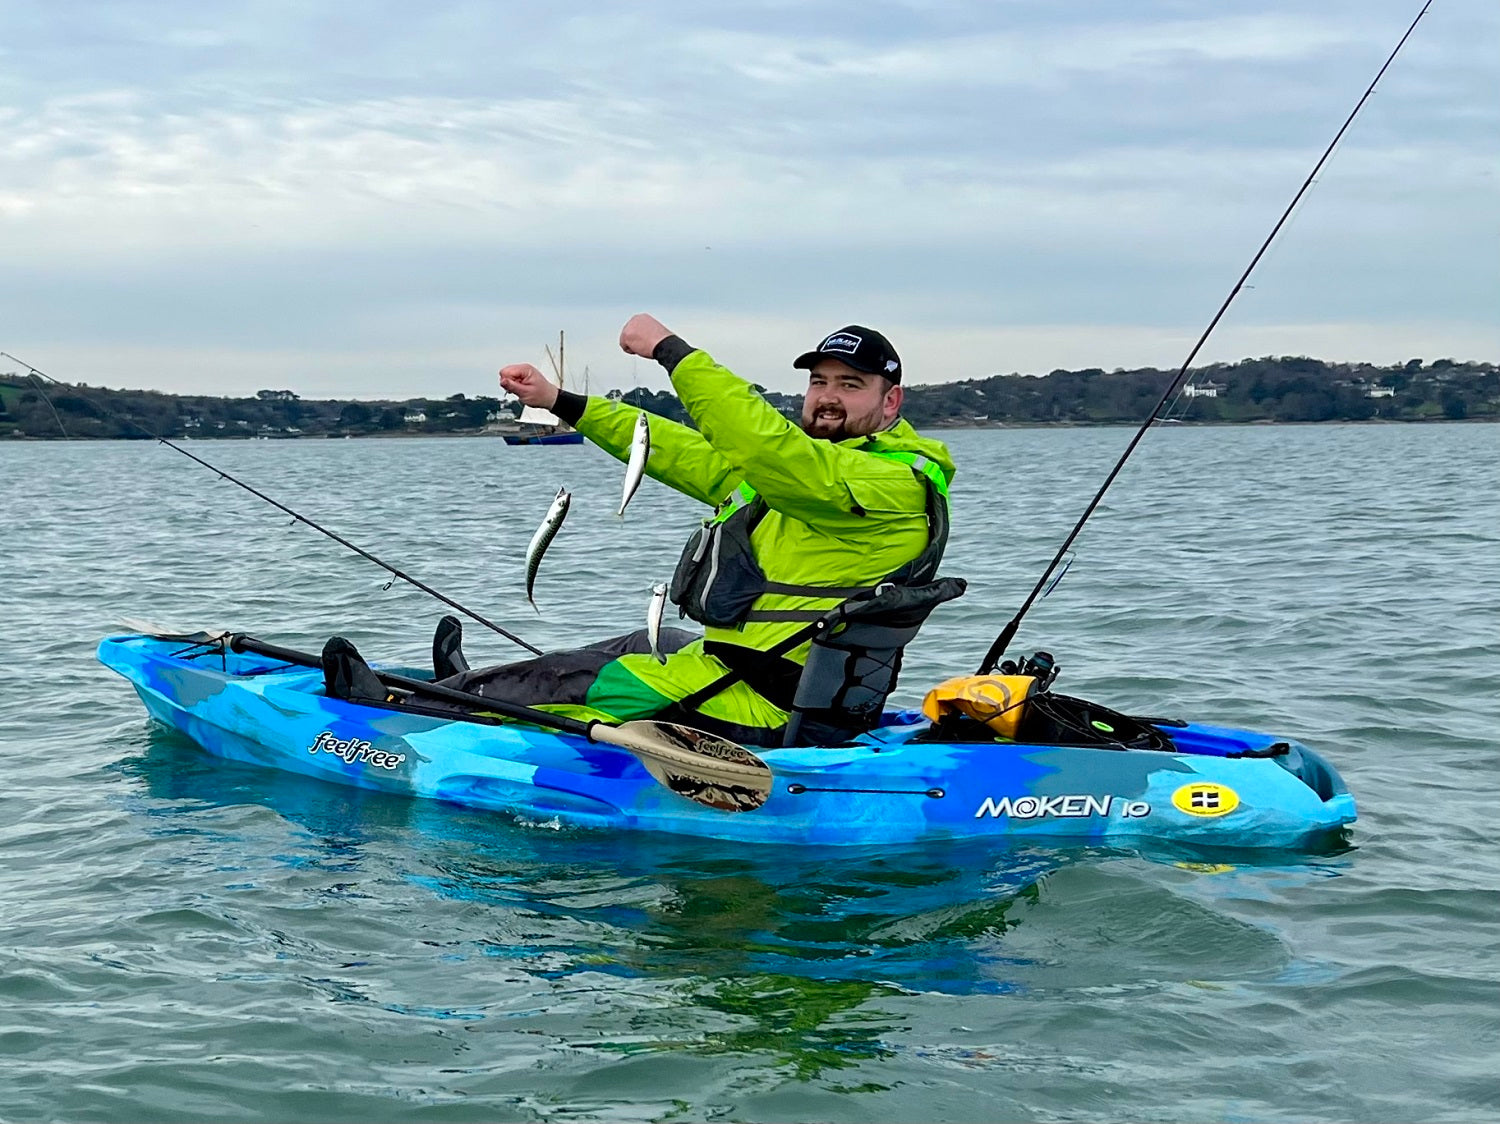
805	519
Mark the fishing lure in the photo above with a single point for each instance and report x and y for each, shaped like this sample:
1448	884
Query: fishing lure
640	453
653	620
543	539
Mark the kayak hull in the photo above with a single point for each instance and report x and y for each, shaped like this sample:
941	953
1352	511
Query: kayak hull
884	788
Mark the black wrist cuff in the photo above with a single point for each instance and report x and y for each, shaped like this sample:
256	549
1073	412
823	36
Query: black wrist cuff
569	407
672	351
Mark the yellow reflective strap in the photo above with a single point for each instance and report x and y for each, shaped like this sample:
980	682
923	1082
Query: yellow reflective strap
742	496
917	463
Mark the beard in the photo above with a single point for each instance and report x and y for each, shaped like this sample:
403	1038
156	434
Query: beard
831	419
833	423
826	427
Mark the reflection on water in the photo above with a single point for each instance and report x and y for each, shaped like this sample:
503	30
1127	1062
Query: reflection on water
783	952
807	1025
801	943
652	905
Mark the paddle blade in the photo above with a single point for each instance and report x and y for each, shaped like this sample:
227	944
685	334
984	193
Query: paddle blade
708	770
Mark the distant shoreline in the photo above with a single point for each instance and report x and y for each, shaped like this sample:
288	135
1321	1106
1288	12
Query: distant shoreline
19	439
1271	391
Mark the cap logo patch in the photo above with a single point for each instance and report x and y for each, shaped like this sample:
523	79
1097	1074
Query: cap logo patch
840	341
891	365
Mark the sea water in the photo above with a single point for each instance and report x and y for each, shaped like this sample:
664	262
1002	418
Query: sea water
185	939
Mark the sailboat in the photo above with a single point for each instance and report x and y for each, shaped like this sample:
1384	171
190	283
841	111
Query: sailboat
542	427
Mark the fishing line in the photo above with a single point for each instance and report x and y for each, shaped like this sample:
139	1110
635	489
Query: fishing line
56	416
997	649
296	517
1170	414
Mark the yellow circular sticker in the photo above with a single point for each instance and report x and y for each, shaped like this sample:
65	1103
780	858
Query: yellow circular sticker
1206	799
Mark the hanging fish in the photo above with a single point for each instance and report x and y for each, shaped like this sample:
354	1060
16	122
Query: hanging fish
653	620
543	539
640	452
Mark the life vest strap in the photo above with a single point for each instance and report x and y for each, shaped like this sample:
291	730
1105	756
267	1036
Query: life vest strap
769	674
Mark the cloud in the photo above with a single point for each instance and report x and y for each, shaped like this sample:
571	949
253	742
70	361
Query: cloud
319	186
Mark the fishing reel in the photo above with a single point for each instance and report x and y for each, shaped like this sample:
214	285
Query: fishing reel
1039	665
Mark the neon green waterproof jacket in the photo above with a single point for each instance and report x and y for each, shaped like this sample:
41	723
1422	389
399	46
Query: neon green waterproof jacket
839	517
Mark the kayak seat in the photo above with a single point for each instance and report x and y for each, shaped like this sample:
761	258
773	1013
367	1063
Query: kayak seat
855	659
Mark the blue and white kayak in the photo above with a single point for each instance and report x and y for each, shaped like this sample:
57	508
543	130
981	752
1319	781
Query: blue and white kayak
1215	787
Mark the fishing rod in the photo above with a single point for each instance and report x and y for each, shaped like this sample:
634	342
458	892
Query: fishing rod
997	649
297	516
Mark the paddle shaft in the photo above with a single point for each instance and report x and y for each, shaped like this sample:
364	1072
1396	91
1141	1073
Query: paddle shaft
242	643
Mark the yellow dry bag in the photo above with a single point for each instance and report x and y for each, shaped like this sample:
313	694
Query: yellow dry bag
999	701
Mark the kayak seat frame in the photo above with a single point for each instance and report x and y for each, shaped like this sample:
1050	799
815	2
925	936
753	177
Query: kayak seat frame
854	660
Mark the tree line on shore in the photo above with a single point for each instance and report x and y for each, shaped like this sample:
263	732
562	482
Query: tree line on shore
1272	389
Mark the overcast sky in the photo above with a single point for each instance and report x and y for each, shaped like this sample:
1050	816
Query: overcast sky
388	199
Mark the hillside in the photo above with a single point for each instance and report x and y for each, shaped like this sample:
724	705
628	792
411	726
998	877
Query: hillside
1284	389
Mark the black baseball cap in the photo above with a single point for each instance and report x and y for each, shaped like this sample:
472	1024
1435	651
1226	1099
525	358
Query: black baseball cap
864	349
